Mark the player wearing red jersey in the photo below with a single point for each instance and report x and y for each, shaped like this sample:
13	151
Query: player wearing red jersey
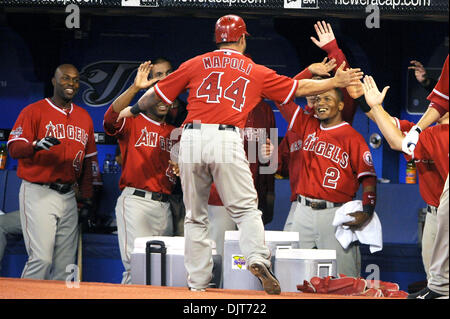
53	140
143	208
224	86
432	145
431	184
334	159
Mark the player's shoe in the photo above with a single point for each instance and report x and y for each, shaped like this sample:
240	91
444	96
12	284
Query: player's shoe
197	289
427	293
268	280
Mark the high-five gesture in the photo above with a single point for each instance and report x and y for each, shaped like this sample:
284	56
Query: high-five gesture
141	80
322	68
324	33
371	93
348	77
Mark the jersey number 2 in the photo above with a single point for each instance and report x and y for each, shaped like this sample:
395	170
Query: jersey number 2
212	90
331	177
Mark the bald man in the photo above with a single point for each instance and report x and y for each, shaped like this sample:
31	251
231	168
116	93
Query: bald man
53	140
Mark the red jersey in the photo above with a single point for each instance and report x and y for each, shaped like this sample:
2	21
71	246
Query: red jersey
332	160
145	147
439	95
62	163
289	154
259	122
431	180
224	86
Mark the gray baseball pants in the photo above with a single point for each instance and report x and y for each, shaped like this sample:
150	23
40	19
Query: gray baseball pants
438	280
209	155
50	229
139	217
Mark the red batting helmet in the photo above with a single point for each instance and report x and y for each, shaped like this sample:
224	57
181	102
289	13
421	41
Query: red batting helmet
229	28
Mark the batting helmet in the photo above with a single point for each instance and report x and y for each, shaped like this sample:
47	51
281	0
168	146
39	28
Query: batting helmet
229	28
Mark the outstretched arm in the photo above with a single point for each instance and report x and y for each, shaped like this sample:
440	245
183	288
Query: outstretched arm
341	79
384	121
141	82
148	100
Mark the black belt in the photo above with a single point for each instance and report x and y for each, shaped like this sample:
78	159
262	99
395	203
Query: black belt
317	204
160	197
60	188
221	127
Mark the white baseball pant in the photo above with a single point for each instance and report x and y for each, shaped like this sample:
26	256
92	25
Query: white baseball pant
139	217
50	230
209	155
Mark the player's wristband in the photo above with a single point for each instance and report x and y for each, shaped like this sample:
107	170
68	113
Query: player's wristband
368	209
135	110
363	104
417	129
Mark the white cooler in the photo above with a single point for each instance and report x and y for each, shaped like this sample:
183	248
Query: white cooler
292	266
235	272
175	271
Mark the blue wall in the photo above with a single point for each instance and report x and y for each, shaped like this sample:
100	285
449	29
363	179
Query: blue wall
108	49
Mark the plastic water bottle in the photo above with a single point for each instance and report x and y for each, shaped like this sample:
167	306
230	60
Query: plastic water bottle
115	167
107	164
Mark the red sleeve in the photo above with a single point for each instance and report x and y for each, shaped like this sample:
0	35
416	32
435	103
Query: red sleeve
305	74
171	86
21	149
278	88
361	158
91	148
334	52
439	96
86	179
110	124
424	148
288	110
283	157
25	129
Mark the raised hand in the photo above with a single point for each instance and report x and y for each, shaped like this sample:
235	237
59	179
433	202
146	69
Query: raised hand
267	149
348	77
324	33
322	68
371	93
125	113
419	71
141	80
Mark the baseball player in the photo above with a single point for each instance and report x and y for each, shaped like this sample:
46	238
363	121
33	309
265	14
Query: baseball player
146	181
53	140
162	67
335	160
224	86
432	145
431	183
256	132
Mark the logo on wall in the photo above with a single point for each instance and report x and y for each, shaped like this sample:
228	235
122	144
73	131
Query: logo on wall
106	80
301	4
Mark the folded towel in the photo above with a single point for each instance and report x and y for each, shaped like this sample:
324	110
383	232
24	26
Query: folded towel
370	234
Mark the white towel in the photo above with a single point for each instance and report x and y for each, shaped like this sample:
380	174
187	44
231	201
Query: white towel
370	234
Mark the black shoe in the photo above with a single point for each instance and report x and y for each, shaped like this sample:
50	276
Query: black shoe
427	293
268	280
